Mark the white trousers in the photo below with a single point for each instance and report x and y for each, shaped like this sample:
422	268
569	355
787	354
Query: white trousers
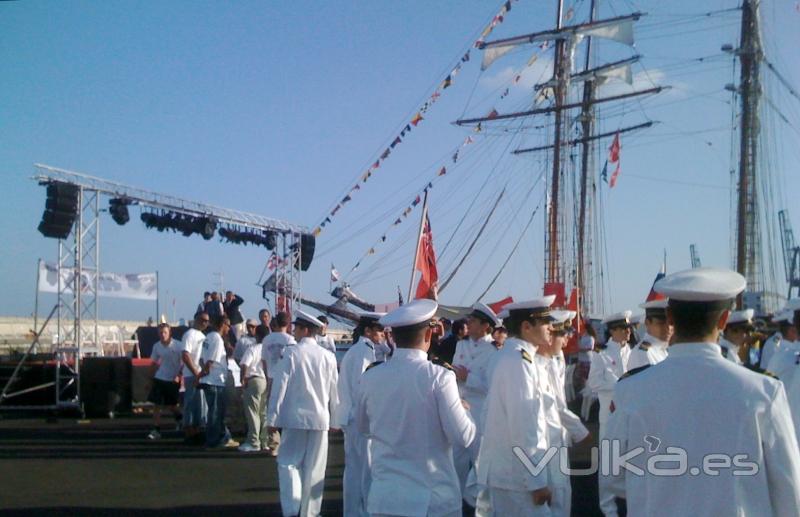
302	459
561	491
607	504
356	472
506	503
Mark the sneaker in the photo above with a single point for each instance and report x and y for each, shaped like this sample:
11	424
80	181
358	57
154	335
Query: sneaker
154	435
230	444
246	447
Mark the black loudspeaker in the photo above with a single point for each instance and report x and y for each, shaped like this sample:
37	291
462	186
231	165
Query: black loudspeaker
61	209
106	385
307	244
118	208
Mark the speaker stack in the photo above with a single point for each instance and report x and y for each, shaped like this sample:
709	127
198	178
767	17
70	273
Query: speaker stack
61	210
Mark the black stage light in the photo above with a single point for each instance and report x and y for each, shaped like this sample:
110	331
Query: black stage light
118	208
208	226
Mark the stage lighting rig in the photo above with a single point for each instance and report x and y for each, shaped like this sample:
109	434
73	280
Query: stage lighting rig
118	208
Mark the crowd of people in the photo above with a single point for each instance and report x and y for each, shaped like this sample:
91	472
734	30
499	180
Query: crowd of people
441	417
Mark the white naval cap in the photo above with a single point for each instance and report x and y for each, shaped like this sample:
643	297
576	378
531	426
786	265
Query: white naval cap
562	316
784	316
655	304
484	312
305	318
370	317
655	308
739	317
412	313
636	319
562	319
618	319
537	307
702	284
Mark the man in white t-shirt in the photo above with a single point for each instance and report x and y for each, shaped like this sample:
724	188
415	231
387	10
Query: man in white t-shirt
194	400
272	348
166	357
212	379
245	341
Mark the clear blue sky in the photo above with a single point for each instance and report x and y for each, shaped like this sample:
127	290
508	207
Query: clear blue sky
277	108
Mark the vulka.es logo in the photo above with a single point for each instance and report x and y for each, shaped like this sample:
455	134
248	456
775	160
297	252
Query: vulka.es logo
609	459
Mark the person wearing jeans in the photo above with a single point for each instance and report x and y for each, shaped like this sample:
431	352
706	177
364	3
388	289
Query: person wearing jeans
212	381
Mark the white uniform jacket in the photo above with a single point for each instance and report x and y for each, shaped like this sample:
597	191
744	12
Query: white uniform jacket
649	351
782	361
729	351
304	388
793	395
700	410
355	361
475	355
608	365
771	345
410	410
513	417
576	431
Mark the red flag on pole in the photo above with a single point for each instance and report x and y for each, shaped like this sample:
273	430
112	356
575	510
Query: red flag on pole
613	151
614	175
428	286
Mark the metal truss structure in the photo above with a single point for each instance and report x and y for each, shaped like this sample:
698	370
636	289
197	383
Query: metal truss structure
79	256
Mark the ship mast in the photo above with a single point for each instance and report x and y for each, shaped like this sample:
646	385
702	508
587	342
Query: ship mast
587	126
553	273
748	238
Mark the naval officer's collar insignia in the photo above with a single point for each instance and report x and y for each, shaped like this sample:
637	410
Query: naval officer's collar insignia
526	356
769	374
724	351
369	343
645	346
372	365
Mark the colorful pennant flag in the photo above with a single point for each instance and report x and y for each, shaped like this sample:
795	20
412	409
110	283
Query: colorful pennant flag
417	119
442	171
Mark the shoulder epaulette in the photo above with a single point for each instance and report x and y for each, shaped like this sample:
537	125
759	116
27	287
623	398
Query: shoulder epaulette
724	352
770	374
526	356
645	346
444	364
372	365
634	371
602	346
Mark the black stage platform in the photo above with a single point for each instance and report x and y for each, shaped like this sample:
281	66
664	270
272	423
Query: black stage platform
108	467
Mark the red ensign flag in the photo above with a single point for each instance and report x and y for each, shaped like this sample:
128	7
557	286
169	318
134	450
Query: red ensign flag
428	286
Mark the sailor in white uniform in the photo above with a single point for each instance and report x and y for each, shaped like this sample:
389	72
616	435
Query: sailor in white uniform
727	429
782	362
652	349
303	398
609	363
784	320
515	421
412	414
355	480
470	363
325	340
737	331
564	426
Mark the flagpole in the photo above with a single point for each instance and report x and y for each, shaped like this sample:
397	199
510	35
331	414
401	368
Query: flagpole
36	299
158	316
419	243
